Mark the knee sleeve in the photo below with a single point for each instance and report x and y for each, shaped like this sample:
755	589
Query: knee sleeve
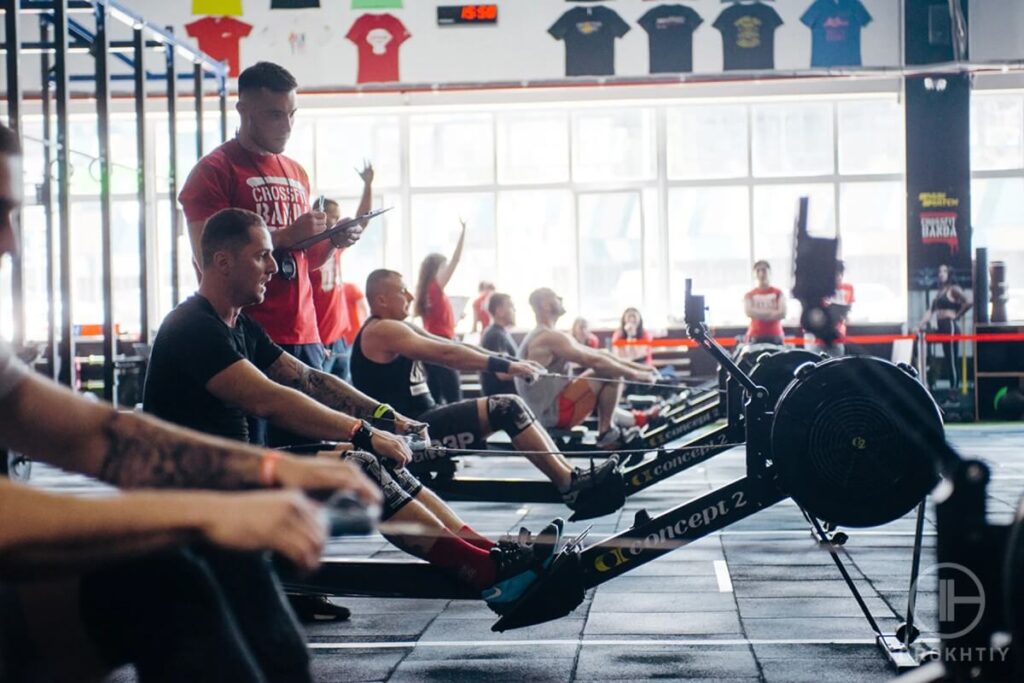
398	488
509	414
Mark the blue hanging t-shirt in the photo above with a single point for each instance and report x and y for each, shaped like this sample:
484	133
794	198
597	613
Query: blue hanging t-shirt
835	31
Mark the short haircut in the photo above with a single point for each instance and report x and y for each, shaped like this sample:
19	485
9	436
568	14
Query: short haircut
330	204
761	264
9	142
376	280
227	230
498	299
273	77
484	285
537	296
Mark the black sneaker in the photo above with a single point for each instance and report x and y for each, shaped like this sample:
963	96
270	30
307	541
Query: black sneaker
596	491
317	608
521	560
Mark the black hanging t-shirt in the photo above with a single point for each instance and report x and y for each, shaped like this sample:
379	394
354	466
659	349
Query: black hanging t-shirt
589	34
670	31
294	4
748	36
496	338
193	346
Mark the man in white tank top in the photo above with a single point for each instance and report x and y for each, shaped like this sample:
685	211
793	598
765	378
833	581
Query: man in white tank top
564	403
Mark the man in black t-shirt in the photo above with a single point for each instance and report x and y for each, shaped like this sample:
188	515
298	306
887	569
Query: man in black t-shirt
497	339
589	34
211	366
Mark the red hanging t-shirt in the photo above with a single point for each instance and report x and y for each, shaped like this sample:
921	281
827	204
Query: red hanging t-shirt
277	188
378	37
219	38
329	300
767	300
439	317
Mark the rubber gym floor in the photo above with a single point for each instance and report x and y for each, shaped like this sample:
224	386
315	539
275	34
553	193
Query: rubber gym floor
759	601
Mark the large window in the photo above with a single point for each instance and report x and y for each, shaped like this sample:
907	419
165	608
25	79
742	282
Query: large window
612	204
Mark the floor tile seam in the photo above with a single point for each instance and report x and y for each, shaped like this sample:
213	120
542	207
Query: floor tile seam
405	656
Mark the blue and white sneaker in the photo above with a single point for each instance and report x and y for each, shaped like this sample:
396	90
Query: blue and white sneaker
521	561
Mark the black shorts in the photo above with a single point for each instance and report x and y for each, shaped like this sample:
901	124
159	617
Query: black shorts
397	486
456	426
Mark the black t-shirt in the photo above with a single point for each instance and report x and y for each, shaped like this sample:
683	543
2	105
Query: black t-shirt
748	36
192	346
496	338
670	30
402	383
589	34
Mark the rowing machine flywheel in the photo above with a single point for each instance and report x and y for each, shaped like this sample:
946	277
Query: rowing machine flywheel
853	441
775	371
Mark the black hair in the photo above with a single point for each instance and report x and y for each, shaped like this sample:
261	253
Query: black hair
273	77
9	142
761	264
376	278
228	229
497	300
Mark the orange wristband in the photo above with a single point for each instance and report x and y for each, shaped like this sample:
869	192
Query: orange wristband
268	468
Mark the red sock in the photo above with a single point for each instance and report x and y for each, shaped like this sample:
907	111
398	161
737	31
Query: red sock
469	535
472	564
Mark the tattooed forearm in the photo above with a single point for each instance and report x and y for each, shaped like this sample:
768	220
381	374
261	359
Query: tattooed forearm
144	453
322	387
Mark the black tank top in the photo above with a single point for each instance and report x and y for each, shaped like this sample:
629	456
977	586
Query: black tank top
402	383
945	302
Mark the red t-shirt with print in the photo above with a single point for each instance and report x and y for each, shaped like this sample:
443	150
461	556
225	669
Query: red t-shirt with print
378	38
353	295
439	317
646	336
276	188
843	296
767	300
219	38
329	300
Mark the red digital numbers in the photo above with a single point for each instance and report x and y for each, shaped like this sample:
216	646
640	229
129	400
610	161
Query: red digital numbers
479	12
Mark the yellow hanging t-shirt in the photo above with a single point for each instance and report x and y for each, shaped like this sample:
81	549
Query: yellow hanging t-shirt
224	8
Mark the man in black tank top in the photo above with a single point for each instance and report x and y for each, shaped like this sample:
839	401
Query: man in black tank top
387	363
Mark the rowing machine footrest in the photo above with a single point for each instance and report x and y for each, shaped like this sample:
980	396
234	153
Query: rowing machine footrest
440	470
604	499
555	594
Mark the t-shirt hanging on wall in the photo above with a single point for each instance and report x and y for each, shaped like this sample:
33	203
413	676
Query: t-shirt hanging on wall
376	4
589	34
835	31
294	4
670	31
224	8
378	37
748	36
219	38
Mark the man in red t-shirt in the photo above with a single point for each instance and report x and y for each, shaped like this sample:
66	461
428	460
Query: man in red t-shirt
766	307
329	294
481	317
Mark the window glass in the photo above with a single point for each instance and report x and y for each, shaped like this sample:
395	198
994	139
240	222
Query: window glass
997	205
613	144
367	254
344	142
871	136
610	255
533	147
997	138
707	142
793	140
453	149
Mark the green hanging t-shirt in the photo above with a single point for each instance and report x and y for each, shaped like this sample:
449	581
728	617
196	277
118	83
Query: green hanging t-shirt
376	4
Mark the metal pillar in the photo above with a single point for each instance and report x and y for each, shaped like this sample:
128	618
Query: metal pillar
101	43
197	75
172	128
139	74
13	42
67	341
222	93
46	198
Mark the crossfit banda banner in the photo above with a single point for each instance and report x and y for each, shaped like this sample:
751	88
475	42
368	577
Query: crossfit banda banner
938	178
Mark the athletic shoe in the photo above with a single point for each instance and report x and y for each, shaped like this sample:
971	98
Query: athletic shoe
616	438
586	480
521	560
317	608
